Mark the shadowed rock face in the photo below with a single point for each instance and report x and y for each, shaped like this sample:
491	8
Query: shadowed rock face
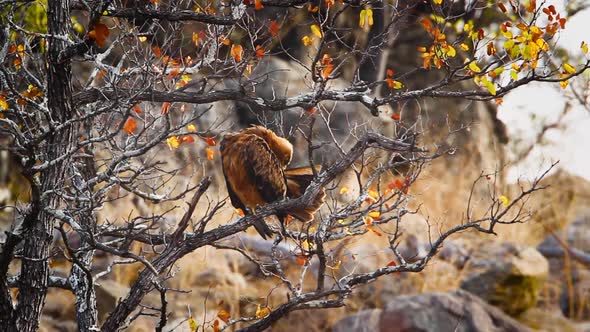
507	276
455	311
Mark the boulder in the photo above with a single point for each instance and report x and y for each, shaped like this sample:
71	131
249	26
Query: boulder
458	311
506	275
547	321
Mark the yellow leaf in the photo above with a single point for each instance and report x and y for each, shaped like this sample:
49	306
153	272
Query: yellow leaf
192	324
568	68
343	190
514	75
191	127
451	51
491	87
564	84
474	67
224	315
210	153
362	18
315	29
373	194
306	40
336	266
437	2
584	47
262	312
173	142
142	39
504	200
464	47
374	214
498	71
3	103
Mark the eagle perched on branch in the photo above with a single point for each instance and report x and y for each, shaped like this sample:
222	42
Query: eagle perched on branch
255	164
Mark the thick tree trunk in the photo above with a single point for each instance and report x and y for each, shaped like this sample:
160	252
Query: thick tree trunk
37	240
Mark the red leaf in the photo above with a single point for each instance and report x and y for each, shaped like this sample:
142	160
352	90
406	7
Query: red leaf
273	28
210	141
258	4
99	34
137	109
259	52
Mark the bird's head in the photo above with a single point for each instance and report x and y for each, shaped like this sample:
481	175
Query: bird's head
280	146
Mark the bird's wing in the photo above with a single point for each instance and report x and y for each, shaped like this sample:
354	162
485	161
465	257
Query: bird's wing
251	170
264	169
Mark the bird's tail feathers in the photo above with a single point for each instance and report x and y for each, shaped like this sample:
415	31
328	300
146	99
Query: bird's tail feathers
298	179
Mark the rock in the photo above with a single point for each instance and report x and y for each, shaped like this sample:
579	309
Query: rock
458	311
547	321
49	324
578	233
363	321
108	293
506	275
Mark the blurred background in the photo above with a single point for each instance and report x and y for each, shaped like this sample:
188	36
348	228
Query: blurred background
534	275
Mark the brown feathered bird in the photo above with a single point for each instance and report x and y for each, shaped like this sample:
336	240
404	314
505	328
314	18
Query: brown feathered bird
255	168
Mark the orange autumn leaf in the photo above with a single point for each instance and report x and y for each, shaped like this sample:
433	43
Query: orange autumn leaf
258	4
165	108
301	260
224	315
262	312
210	153
376	232
99	34
216	326
210	141
187	139
396	116
392	263
389	72
327	65
236	52
137	109
273	28
240	212
311	9
173	73
259	52
130	125
157	51
532	6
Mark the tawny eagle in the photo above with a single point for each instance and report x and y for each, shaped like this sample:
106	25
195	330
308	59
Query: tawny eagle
255	164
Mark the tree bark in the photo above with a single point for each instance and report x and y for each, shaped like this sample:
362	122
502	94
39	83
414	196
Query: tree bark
37	240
